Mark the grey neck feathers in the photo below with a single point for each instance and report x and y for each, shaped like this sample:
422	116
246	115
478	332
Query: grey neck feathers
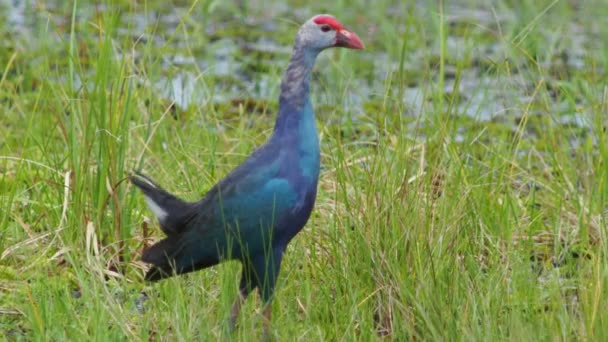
295	86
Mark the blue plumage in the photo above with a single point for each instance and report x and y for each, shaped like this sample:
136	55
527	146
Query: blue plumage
253	213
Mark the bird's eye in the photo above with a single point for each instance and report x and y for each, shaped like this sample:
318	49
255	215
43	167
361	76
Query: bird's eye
325	28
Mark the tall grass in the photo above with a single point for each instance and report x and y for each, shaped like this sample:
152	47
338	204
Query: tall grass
433	221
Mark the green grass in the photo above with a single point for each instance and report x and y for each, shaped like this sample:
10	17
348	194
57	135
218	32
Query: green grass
473	210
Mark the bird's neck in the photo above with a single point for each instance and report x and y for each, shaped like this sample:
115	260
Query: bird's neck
295	109
295	128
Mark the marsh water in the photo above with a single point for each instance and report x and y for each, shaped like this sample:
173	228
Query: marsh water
231	57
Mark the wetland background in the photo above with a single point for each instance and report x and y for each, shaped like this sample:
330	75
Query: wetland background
463	187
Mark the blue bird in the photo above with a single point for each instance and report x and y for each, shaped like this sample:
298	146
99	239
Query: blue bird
253	213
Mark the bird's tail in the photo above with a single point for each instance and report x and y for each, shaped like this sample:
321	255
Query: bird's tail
181	251
172	213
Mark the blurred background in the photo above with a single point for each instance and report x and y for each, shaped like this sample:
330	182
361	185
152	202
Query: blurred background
463	187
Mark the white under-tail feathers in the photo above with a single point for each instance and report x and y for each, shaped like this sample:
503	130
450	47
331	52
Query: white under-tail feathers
167	208
160	213
172	213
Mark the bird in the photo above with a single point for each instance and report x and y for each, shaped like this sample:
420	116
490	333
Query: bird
253	213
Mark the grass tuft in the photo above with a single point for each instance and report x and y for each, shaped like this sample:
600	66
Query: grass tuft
463	189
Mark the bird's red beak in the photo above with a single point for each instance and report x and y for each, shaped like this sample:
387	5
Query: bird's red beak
348	39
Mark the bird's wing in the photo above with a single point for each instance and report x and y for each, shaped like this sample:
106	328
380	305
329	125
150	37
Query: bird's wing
177	216
238	223
251	195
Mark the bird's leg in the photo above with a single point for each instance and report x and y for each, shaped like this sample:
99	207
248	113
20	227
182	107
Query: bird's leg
266	314
236	308
245	287
270	269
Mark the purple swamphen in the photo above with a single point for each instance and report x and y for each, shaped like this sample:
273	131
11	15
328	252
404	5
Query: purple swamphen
253	213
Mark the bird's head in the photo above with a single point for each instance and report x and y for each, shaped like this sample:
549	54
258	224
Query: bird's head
324	31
